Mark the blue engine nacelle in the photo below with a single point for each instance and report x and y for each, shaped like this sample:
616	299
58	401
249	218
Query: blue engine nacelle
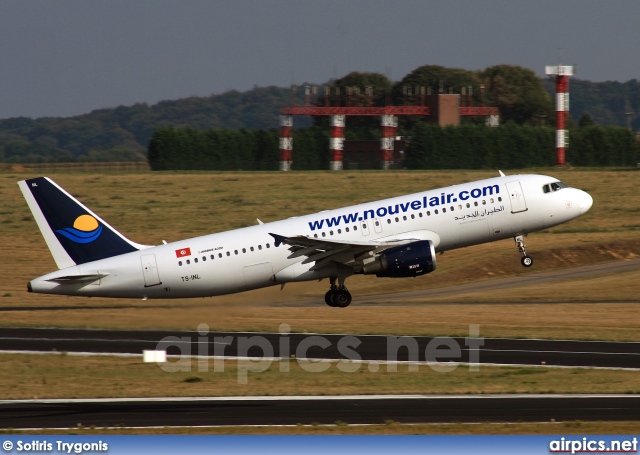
412	259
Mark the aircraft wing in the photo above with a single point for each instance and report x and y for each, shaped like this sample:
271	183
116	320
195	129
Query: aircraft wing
322	252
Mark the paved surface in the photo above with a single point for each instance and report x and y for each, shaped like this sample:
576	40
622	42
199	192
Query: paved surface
310	410
502	351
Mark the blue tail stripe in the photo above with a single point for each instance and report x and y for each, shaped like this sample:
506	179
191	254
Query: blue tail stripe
80	236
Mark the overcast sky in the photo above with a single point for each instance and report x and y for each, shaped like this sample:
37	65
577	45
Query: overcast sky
69	57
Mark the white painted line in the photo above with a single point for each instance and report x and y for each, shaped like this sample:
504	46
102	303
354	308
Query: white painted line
317	398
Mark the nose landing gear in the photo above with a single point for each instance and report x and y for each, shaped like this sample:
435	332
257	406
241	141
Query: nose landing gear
526	261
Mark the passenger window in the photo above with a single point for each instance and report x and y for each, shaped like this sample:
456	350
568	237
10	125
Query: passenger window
244	250
204	259
330	232
219	255
397	220
444	210
259	247
413	217
268	246
475	203
180	263
404	218
428	213
251	248
355	228
228	253
435	211
346	229
213	257
339	231
188	262
195	260
388	220
468	205
324	235
420	214
484	202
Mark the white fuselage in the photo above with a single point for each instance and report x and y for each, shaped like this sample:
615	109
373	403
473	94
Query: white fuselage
247	258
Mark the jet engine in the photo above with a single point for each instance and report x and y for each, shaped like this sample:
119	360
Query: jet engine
410	260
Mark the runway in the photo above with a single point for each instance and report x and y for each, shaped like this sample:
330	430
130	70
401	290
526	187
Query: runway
377	348
230	411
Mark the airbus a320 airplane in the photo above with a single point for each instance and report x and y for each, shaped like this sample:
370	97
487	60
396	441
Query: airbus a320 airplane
397	237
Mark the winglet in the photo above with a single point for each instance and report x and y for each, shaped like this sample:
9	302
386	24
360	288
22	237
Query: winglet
259	221
278	238
502	174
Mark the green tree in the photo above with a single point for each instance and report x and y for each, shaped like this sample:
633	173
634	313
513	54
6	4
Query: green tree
434	77
585	120
518	93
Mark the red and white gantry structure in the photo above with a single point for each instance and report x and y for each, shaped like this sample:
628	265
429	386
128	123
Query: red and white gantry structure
562	74
444	109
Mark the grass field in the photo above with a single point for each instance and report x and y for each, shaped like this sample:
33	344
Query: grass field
151	207
69	376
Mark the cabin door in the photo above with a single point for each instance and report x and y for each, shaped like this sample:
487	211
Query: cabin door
150	270
516	196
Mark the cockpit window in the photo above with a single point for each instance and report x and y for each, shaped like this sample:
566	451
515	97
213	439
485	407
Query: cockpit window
555	186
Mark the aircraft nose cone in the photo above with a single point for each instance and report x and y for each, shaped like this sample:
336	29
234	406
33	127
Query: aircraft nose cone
586	201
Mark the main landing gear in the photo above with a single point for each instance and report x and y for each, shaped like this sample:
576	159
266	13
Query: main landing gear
338	296
526	261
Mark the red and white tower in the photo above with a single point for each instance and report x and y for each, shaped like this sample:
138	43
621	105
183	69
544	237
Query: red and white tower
286	142
562	74
336	144
389	129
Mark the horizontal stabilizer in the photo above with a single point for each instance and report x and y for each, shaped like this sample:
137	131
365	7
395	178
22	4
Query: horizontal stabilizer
74	279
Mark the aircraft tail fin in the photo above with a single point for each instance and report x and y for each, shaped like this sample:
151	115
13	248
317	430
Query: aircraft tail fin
74	234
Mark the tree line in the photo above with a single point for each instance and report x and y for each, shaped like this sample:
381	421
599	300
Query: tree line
469	146
123	133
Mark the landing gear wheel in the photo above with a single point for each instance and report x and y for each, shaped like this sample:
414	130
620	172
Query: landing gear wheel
337	295
329	298
526	261
342	298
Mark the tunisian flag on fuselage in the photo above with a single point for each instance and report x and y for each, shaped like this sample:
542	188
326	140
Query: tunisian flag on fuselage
183	252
